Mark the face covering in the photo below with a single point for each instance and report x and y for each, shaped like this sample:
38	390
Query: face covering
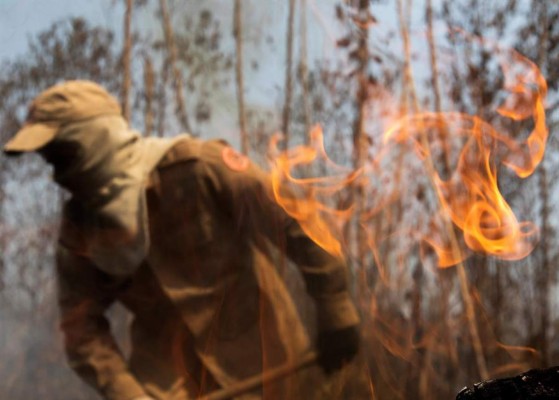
104	165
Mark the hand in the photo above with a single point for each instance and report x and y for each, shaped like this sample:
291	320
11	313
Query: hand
337	348
143	398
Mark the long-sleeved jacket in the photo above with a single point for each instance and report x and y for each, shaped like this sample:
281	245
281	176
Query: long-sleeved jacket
209	305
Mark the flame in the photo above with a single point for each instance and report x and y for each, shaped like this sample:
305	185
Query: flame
304	199
469	197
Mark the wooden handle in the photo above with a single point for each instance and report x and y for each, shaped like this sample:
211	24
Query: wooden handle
261	379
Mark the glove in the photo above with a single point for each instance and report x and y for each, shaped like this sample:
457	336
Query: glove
337	348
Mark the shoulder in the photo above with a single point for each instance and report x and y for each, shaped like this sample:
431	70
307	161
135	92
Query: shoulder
184	150
216	152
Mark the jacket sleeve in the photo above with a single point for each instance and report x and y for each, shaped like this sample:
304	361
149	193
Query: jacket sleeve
247	195
84	294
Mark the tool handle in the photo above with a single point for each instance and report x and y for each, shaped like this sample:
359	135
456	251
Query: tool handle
261	379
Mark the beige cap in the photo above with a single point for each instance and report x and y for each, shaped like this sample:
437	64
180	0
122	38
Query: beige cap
59	105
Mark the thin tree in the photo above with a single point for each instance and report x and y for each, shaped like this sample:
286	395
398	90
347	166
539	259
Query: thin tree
149	89
304	68
433	55
172	58
288	72
437	106
416	371
543	280
162	100
238	34
360	141
445	162
126	61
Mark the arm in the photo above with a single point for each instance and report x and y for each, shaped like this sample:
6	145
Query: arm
247	196
85	293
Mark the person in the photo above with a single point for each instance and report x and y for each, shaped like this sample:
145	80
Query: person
184	233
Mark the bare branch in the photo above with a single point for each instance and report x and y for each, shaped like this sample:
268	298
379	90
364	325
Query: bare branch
238	34
177	75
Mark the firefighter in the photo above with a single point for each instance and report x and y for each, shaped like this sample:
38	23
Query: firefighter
184	233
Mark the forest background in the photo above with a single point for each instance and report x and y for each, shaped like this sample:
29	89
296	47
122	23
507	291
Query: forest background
245	70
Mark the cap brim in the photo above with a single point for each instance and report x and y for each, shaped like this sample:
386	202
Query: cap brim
31	137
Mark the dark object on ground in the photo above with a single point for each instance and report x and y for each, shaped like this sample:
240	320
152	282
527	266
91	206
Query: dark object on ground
536	384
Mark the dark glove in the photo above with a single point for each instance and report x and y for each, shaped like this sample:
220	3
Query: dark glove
337	348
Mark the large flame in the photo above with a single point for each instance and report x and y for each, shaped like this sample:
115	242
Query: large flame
305	199
468	196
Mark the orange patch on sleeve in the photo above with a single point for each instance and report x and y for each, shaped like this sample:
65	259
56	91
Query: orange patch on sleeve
234	160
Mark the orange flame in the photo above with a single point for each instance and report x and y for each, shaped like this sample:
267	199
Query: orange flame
304	198
469	196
